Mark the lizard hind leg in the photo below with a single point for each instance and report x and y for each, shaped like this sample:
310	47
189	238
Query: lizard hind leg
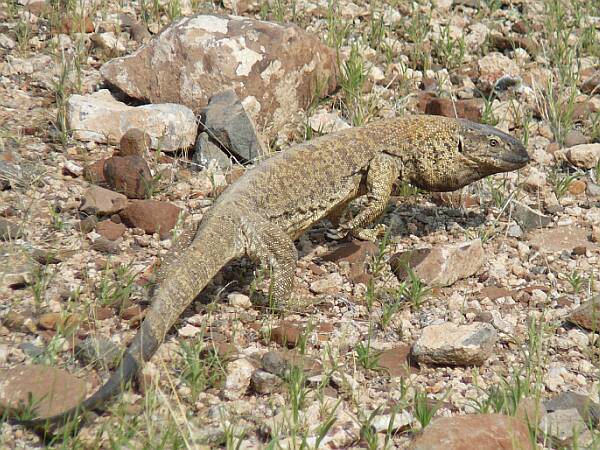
275	251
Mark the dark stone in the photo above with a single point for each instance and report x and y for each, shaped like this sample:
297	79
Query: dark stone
205	151
228	125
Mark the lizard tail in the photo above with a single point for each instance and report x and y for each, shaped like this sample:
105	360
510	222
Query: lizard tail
183	279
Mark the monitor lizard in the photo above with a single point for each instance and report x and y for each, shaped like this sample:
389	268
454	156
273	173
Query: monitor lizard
264	211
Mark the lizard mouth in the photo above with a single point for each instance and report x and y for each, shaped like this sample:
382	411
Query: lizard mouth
518	159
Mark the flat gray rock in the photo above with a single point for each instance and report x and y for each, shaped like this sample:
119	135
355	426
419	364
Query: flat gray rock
228	125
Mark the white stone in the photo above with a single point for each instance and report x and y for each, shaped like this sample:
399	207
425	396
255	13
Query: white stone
584	156
327	122
100	118
6	42
240	300
238	377
189	331
381	423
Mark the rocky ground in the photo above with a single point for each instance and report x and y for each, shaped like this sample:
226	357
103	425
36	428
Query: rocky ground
488	339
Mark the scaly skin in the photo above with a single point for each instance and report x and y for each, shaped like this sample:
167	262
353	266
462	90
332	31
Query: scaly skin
262	213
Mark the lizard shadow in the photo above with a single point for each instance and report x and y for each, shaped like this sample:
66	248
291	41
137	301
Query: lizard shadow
402	221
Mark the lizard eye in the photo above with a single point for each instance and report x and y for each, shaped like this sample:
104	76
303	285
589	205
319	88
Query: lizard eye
493	142
460	145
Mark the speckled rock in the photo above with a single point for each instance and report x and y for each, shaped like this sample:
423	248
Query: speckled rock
238	377
271	67
442	265
456	345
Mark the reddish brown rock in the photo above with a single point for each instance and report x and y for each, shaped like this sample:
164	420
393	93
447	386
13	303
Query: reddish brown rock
502	43
134	142
465	109
481	431
70	25
51	320
94	173
396	361
102	313
151	216
287	334
129	175
591	85
110	230
53	390
273	72
587	315
577	187
357	254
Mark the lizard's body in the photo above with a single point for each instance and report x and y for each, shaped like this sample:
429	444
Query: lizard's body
274	203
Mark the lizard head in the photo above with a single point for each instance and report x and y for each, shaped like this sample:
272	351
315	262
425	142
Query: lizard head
491	149
463	152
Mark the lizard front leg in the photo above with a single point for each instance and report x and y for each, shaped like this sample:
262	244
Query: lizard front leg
383	171
274	250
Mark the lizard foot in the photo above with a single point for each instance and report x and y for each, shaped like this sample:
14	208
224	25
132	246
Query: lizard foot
369	234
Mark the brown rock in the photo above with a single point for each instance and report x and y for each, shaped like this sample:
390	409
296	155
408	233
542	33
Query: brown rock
587	315
520	27
354	252
104	245
102	313
133	312
559	239
53	390
70	25
396	361
481	431
595	233
442	265
286	335
530	411
575	137
134	142
110	230
100	201
139	33
151	216
88	224
591	85
502	43
466	109
274	72
9	230
94	173
36	8
577	187
48	321
129	175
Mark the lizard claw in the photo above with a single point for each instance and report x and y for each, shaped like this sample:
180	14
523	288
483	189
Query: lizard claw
369	234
